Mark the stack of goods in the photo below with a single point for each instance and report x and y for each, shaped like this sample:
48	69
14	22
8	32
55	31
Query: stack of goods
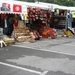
22	34
69	32
33	13
37	13
41	20
7	40
52	33
49	32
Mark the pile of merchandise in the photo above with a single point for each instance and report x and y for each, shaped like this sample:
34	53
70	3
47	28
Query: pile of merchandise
8	40
5	40
22	33
48	33
40	20
69	32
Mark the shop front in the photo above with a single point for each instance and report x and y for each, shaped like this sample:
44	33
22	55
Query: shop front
28	21
12	26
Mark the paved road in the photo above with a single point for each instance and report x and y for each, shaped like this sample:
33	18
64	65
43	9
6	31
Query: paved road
63	45
10	68
40	60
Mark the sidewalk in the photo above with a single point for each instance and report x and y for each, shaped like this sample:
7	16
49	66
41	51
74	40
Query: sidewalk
64	45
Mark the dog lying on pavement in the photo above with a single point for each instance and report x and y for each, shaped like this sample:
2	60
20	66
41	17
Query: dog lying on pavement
2	43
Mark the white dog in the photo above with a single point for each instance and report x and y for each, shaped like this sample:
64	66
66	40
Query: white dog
2	43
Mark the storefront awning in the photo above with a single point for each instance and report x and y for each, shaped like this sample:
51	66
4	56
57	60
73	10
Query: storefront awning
12	7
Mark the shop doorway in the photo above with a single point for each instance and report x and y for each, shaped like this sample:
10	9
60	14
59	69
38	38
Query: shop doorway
7	30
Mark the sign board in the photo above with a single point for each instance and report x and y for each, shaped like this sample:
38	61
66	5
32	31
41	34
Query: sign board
73	14
11	7
24	7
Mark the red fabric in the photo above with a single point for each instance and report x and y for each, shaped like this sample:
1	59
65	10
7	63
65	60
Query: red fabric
35	33
36	36
3	16
52	33
16	23
17	8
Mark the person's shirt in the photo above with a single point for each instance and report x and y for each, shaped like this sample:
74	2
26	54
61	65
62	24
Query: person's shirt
16	23
5	23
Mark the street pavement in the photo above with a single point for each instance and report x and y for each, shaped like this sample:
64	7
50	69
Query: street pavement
44	57
63	45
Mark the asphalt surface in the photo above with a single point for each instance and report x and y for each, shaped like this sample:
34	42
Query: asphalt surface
27	59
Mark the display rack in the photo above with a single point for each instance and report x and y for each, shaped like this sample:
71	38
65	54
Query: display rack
60	21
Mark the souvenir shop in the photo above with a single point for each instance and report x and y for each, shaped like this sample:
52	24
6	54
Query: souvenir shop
12	26
30	21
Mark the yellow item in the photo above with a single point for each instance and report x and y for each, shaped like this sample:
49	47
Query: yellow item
44	33
68	33
25	16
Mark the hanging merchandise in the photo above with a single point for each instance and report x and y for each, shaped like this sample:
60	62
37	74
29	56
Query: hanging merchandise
57	11
39	20
25	18
30	9
34	10
38	9
49	12
30	21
